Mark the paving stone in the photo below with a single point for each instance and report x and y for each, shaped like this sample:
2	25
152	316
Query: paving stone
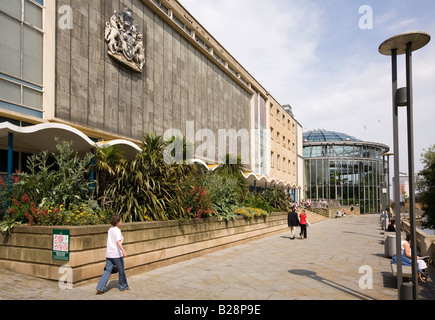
324	267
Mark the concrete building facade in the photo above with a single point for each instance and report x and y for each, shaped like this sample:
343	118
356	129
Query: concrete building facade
58	67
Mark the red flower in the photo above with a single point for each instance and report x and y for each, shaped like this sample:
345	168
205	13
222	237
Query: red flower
25	198
16	202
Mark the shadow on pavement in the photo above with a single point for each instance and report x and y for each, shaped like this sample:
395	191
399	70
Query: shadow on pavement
427	290
313	275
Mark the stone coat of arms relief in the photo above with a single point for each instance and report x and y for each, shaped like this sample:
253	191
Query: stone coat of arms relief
125	40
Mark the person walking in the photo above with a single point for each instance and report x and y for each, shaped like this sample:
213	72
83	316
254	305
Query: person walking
115	255
303	223
293	222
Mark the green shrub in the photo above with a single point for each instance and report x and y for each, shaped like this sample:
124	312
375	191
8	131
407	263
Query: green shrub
51	190
257	201
224	194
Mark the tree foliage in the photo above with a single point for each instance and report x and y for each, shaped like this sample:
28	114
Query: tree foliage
426	186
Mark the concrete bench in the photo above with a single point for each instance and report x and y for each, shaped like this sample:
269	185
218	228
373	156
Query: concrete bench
406	271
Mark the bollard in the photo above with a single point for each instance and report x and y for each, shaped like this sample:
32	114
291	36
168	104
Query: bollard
406	291
390	245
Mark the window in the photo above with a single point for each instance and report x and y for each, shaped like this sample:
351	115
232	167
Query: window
244	81
218	58
318	151
202	43
272	161
232	70
283	164
21	52
278	160
161	6
277	137
181	24
307	152
262	111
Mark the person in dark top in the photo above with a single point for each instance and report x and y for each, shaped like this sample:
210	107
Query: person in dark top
392	226
293	222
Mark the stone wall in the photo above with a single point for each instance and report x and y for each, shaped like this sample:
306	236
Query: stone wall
178	83
150	245
332	212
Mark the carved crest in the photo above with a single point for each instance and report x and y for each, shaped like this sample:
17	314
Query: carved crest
125	40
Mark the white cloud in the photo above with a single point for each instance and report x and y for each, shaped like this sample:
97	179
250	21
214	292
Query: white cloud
264	37
330	72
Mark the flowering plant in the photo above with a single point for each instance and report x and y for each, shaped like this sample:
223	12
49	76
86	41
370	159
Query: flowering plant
198	203
88	213
250	213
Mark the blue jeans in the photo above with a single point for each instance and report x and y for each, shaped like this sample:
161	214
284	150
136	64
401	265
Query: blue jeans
119	262
406	262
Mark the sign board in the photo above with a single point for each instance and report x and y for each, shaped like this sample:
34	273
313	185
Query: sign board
60	247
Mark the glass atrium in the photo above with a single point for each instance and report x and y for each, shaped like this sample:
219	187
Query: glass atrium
342	168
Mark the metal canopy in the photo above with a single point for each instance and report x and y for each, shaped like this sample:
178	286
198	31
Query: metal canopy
418	38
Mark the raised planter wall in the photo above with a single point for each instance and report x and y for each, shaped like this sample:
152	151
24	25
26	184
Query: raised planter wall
149	245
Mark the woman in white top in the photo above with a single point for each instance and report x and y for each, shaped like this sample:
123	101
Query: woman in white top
115	254
407	258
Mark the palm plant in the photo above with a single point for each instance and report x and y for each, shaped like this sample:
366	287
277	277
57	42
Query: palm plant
276	199
232	169
147	187
106	160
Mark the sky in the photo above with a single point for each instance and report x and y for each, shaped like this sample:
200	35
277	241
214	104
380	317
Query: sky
322	58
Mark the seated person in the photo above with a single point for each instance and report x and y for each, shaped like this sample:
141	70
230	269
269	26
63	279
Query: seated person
407	258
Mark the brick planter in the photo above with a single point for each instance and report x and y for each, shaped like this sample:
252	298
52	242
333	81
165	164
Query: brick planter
150	245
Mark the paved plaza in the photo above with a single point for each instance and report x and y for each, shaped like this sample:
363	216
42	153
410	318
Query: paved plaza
334	263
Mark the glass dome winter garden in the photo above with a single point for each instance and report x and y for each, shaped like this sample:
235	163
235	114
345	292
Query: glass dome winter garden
343	168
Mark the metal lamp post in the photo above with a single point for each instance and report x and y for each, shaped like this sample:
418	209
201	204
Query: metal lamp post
404	43
387	180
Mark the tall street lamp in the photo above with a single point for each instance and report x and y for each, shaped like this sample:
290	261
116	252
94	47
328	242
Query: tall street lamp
404	43
386	161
